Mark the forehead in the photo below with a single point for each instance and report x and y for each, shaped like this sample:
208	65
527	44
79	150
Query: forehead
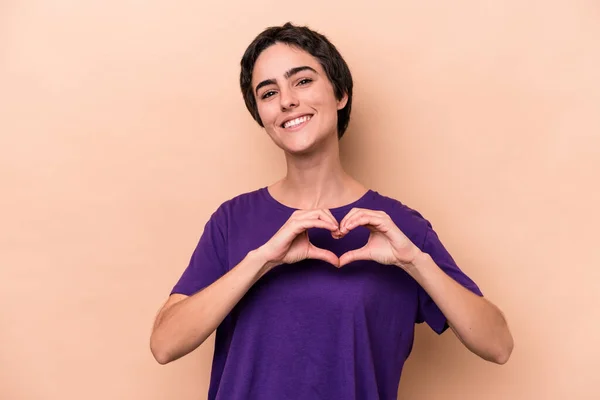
279	58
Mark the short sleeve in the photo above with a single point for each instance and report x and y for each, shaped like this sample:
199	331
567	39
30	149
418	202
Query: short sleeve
208	260
428	311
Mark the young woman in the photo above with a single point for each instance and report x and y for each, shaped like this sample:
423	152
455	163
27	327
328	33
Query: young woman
314	283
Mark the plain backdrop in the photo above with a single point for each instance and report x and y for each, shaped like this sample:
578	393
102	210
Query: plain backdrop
122	128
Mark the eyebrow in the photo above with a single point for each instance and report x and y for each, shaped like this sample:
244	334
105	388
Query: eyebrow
287	75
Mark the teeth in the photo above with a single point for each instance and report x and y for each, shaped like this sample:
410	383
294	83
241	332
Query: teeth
297	121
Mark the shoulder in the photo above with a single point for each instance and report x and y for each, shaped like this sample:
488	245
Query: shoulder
408	219
396	209
241	204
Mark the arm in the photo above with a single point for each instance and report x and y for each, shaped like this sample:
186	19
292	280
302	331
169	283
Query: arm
184	323
478	323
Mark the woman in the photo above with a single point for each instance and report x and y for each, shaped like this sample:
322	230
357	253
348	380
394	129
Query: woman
314	284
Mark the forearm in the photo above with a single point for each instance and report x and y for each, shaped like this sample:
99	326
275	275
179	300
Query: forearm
185	325
478	323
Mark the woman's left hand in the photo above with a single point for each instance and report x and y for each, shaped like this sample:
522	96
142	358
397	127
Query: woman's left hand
387	244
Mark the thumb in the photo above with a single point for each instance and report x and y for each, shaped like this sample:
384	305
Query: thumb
354	255
318	253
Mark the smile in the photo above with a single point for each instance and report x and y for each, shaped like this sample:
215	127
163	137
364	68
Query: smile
297	122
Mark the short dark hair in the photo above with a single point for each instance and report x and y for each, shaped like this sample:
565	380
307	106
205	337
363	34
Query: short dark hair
313	43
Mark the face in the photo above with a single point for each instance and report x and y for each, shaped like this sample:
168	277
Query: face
295	99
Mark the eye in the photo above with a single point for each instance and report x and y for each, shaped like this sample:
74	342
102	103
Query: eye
305	81
267	94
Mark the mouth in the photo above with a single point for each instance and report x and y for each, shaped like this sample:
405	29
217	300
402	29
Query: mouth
296	123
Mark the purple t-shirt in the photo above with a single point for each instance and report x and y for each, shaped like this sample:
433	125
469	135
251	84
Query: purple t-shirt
309	330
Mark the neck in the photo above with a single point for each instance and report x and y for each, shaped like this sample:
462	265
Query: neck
317	180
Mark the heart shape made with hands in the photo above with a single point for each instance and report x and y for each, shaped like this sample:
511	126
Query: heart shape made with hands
386	244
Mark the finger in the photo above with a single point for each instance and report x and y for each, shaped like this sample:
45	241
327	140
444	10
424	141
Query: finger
320	214
354	255
300	226
337	234
317	253
344	220
366	218
362	220
374	224
325	213
357	212
349	214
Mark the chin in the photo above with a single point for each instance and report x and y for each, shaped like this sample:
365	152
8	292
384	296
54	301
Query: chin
301	142
296	142
304	147
298	149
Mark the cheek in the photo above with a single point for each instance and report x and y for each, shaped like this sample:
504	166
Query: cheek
324	100
267	114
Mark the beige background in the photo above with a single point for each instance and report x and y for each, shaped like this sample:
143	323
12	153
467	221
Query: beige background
122	128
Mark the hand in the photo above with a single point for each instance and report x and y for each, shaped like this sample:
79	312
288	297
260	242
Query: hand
290	244
386	244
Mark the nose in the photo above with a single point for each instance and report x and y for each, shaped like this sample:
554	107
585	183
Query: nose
288	100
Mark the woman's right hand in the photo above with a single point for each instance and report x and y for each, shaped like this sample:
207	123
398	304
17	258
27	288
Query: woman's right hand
290	244
177	331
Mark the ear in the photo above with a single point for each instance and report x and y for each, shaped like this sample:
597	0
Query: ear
343	101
